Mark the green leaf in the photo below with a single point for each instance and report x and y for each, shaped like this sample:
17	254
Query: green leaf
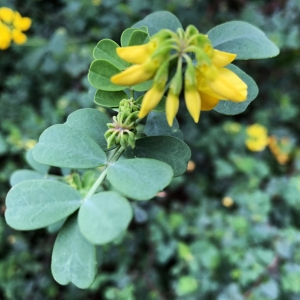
157	125
106	50
66	147
142	87
22	175
104	216
168	149
243	39
73	257
125	37
138	37
35	204
227	107
41	168
109	99
91	122
159	20
100	73
139	178
127	34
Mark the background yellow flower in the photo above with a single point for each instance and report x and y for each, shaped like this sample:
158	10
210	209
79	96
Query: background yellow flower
257	137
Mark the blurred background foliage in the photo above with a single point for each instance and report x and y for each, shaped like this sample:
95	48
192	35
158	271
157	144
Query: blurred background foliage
229	229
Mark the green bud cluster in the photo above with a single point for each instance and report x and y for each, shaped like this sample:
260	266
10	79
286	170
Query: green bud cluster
122	131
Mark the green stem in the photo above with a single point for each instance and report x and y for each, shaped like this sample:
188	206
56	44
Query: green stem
118	152
131	93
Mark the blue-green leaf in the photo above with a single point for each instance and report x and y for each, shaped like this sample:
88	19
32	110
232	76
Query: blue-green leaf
22	175
65	147
36	204
91	122
159	20
168	149
243	39
104	216
139	178
157	125
41	168
73	257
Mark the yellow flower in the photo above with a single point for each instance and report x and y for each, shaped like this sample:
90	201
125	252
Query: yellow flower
151	99
172	106
154	95
6	14
191	94
137	54
207	81
5	36
21	23
18	37
257	137
11	26
136	73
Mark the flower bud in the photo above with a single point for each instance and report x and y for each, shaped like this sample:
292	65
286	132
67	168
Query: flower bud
191	94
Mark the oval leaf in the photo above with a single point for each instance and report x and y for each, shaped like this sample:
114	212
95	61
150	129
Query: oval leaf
126	35
36	204
157	125
227	107
168	149
139	178
104	216
73	257
65	147
91	122
159	20
138	37
109	99
106	49
100	73
41	168
22	175
144	86
243	39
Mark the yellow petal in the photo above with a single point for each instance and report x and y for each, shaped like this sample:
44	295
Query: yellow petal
135	74
137	54
172	105
5	36
24	24
222	59
257	130
208	102
193	102
229	86
204	88
18	37
150	100
6	14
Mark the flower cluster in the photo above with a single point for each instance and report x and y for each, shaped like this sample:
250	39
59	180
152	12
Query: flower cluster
257	137
123	129
11	26
204	79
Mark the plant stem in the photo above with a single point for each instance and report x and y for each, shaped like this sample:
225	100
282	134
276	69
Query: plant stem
118	152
